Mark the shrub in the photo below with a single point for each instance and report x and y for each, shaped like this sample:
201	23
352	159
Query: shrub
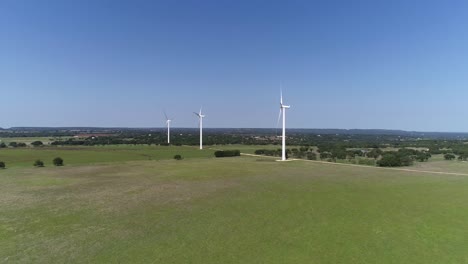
423	156
37	143
21	145
13	144
311	156
227	153
304	148
2	165
268	152
178	157
449	156
39	163
365	161
58	161
396	159
3	145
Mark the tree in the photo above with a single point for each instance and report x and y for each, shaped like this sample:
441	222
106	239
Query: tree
58	161
325	155
423	156
374	153
38	163
3	145
2	165
21	145
37	143
396	159
449	156
13	144
177	157
339	153
227	153
311	156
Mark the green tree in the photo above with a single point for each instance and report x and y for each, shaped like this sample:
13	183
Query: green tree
2	165
449	156
37	143
311	156
58	161
177	157
38	163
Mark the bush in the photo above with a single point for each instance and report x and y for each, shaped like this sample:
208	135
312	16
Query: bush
37	143
38	163
3	145
227	153
2	165
13	144
449	156
21	145
395	159
311	156
423	156
374	153
58	161
177	157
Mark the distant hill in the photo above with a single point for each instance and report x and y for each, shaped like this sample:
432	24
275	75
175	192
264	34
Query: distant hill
244	131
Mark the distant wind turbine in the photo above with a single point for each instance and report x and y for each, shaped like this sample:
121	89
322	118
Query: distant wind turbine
283	111
200	124
168	123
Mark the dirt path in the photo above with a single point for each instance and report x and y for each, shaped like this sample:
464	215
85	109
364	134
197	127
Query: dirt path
364	166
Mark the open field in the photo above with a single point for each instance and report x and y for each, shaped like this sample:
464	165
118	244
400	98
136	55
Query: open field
75	155
28	140
231	210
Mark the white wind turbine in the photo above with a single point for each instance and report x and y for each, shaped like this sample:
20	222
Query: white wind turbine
168	123
200	124
283	111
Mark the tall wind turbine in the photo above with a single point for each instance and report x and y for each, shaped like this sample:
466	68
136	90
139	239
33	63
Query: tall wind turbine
168	123
200	124
283	108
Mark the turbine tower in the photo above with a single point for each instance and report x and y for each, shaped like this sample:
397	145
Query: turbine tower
200	124
283	108
168	123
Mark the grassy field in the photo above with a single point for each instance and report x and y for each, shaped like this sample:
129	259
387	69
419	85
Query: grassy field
230	210
28	140
25	157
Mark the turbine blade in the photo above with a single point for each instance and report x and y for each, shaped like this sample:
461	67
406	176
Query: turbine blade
201	109
165	115
281	94
277	122
197	114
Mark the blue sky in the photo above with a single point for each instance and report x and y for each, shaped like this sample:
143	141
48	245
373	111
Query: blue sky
342	64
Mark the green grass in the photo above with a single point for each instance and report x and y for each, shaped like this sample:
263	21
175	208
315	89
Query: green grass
25	157
28	140
230	210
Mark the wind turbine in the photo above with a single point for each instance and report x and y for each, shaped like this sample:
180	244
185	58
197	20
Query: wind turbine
283	111
200	124
168	123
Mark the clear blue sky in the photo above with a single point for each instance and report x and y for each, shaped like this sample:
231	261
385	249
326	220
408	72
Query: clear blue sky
343	64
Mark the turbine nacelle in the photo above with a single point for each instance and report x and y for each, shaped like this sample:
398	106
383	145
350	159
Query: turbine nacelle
199	115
